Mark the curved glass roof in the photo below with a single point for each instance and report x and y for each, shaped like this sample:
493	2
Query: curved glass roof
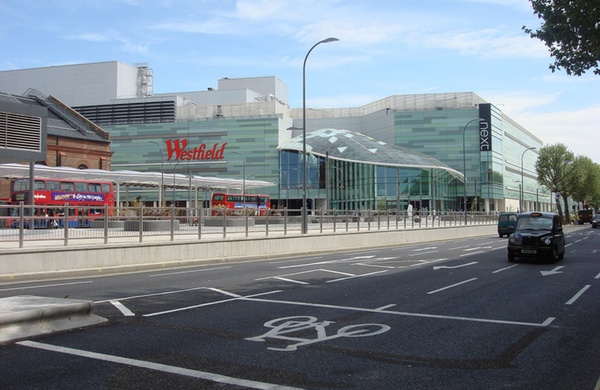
351	146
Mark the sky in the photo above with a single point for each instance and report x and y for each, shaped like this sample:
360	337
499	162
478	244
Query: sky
385	48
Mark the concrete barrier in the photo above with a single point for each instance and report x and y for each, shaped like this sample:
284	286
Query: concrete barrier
55	262
26	316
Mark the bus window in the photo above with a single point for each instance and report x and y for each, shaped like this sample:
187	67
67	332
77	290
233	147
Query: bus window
105	187
52	185
67	186
39	185
95	187
218	197
21	185
81	187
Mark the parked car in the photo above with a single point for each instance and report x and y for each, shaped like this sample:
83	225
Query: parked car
537	235
507	223
595	221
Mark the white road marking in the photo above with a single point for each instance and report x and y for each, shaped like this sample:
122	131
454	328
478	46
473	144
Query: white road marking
154	366
45	286
288	280
422	253
152	295
234	297
504	269
355	276
576	296
425	262
451	286
188	271
454	267
338	261
126	312
471	254
253	298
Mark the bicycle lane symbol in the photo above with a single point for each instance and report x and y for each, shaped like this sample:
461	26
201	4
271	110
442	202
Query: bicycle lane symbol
285	328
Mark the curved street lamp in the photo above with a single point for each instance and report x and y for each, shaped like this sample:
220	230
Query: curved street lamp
522	182
465	164
304	208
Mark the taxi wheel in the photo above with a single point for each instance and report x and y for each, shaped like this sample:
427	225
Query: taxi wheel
554	257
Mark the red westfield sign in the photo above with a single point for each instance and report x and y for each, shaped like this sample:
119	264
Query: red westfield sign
177	149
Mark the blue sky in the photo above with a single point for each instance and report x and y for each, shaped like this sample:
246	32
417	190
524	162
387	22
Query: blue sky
386	47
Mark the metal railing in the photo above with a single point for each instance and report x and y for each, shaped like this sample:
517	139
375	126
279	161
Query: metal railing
70	225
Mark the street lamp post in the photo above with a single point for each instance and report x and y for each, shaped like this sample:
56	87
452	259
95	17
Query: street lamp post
522	189
162	173
465	164
304	208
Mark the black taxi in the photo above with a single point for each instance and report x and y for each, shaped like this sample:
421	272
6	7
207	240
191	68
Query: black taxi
538	235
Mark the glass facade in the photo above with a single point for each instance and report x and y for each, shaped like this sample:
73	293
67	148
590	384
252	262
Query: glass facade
349	171
249	147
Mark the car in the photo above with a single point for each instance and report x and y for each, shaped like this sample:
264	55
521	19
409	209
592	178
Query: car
507	222
595	221
538	235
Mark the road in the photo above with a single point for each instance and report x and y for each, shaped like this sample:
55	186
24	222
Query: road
443	315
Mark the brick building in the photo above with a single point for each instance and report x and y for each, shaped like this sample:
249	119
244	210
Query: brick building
72	140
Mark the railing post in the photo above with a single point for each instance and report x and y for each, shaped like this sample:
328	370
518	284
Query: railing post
105	223
66	224
173	221
267	222
141	222
224	222
321	222
21	224
246	214
199	220
285	220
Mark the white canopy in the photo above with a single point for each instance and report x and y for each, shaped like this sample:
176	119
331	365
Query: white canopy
132	178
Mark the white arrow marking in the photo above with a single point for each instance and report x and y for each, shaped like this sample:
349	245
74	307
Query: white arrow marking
552	272
456	266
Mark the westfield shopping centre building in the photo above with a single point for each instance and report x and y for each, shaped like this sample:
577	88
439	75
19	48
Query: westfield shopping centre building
426	150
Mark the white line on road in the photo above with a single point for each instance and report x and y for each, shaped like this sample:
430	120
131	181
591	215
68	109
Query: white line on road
126	312
453	267
188	271
471	254
504	269
451	286
289	280
576	296
154	366
45	286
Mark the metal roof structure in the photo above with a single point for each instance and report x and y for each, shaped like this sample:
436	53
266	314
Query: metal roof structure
346	145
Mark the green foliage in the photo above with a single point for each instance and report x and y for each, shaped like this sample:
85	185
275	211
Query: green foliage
571	31
553	169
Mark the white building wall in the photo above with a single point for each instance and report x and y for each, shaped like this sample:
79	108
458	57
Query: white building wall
75	85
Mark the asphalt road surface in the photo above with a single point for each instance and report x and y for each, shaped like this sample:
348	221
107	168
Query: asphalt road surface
443	315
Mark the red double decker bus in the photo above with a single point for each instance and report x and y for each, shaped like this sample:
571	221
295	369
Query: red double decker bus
82	200
257	203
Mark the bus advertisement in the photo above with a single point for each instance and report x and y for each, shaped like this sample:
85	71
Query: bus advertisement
238	202
84	201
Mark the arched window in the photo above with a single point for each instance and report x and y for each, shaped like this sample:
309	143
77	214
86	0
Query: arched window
82	166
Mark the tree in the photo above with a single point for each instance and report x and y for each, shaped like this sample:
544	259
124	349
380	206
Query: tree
572	33
553	168
583	180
